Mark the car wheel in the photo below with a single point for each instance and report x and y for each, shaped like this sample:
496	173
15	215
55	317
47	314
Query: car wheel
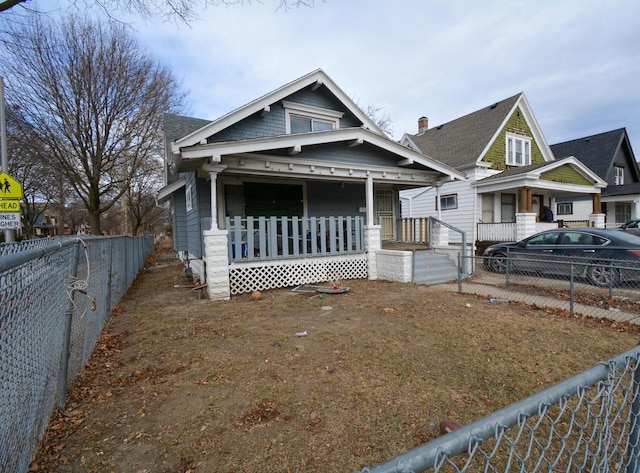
599	274
498	263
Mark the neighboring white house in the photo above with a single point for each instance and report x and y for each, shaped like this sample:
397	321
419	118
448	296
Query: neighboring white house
511	173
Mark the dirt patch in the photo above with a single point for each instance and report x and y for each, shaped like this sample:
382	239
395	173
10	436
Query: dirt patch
179	384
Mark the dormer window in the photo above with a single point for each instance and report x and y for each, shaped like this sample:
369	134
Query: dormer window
619	175
301	118
518	150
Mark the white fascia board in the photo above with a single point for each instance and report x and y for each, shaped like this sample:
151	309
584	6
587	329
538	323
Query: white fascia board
317	76
280	166
165	193
408	142
552	186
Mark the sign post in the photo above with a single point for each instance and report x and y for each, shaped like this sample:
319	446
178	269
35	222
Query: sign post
8	233
10	195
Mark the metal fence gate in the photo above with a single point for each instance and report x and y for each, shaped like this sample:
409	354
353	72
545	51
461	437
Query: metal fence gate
55	296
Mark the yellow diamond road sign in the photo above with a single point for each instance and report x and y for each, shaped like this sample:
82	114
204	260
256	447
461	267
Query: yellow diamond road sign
9	187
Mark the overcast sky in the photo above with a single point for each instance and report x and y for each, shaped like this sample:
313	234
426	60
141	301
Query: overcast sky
577	61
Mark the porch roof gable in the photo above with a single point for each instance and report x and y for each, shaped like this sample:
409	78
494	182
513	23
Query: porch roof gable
531	176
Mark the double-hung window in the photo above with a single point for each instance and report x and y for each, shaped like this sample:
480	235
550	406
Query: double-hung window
518	150
301	118
619	175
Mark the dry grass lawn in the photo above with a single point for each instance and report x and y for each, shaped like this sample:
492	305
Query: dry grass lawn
179	384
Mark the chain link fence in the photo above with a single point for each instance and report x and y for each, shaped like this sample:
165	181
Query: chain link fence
588	423
55	296
604	289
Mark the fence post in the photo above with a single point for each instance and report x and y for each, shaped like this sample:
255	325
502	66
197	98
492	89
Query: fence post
633	449
611	276
64	368
571	288
459	272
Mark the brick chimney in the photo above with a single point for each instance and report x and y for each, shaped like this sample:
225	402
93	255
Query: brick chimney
423	125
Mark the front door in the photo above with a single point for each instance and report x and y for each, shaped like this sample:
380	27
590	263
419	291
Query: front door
384	213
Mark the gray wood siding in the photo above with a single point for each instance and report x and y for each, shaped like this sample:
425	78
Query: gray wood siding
273	122
201	207
330	199
179	220
359	155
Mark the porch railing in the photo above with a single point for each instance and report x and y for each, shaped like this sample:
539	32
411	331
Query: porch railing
271	238
413	230
507	231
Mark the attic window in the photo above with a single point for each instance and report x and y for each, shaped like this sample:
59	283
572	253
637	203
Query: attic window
518	152
619	175
301	118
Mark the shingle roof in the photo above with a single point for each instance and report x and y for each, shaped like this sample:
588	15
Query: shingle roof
596	151
461	141
177	126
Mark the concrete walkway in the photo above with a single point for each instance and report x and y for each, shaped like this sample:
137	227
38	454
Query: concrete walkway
493	286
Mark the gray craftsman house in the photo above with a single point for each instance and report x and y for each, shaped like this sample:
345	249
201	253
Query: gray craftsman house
294	187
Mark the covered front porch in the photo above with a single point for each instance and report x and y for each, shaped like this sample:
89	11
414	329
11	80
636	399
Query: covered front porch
513	202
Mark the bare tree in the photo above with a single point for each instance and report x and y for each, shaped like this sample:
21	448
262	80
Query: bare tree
94	98
142	208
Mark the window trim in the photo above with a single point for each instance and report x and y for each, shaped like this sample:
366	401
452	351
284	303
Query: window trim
619	175
510	159
310	112
560	205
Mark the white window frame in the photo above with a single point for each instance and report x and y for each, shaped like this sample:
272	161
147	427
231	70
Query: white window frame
619	170
310	112
445	198
510	150
562	207
188	195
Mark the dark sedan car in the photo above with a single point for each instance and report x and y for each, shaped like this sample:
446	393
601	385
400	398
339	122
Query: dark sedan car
597	253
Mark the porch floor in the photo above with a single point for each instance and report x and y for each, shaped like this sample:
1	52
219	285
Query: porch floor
401	246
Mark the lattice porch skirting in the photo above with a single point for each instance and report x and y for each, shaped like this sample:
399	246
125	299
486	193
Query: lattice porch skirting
258	276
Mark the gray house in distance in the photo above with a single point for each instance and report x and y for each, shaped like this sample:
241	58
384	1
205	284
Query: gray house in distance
296	187
611	157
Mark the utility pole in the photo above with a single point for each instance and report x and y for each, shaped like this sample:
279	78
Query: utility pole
8	234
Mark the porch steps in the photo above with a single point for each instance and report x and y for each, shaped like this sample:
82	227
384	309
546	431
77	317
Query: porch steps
433	268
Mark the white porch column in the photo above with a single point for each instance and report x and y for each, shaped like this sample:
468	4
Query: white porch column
214	170
372	233
525	225
216	246
370	201
216	256
372	244
635	209
596	220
